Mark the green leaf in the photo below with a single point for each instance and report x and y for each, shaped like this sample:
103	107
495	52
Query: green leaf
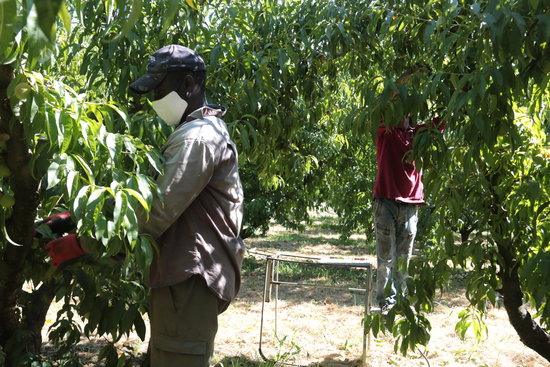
47	13
95	313
192	4
375	325
127	320
5	230
79	202
534	4
155	161
84	165
429	30
36	39
245	143
114	246
543	26
138	197
51	126
108	352
129	23
144	188
519	20
140	326
65	130
121	204
65	17
172	8
8	18
119	111
85	281
111	142
143	250
114	316
95	199
53	175
101	225
72	182
122	361
131	225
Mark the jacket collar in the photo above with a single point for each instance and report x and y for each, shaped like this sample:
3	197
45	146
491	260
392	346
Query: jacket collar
206	111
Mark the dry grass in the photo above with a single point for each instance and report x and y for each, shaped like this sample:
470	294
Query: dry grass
319	326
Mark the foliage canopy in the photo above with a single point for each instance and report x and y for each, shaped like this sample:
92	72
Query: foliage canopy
307	83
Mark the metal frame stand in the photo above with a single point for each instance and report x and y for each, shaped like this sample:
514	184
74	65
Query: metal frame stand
272	279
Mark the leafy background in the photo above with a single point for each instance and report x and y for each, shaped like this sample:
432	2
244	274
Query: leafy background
307	84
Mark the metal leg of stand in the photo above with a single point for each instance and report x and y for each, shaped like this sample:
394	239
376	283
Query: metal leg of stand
276	281
368	300
265	298
268	280
272	279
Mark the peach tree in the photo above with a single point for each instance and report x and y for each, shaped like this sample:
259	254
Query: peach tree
306	83
67	147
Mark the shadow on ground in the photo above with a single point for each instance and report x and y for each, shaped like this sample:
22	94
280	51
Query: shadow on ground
241	361
87	352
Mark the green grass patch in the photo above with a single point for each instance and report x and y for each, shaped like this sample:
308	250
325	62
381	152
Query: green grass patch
329	275
303	239
253	266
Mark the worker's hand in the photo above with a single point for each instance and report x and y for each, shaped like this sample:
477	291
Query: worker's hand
64	249
60	223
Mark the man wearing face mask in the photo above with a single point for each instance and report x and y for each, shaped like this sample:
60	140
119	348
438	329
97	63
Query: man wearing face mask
196	223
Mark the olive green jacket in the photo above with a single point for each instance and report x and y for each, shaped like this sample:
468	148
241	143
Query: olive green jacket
196	222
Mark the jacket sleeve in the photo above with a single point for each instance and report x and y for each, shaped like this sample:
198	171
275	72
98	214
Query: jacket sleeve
188	168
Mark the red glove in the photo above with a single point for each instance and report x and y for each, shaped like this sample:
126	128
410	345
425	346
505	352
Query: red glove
63	249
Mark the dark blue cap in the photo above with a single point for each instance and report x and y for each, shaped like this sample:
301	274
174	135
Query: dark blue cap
168	58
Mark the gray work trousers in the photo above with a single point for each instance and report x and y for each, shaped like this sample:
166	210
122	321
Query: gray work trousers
395	228
184	322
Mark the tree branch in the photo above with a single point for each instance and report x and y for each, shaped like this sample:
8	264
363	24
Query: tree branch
20	223
530	333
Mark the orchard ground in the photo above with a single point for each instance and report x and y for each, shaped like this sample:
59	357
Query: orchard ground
322	326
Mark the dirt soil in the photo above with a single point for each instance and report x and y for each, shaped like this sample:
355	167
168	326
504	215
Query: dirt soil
322	327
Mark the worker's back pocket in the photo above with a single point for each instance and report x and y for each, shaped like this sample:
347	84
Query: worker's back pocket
169	351
177	345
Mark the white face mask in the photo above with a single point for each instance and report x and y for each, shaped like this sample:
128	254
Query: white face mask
170	108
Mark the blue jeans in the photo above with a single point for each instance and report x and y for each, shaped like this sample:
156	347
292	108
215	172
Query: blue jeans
395	229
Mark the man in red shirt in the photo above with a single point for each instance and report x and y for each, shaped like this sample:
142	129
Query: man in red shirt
398	192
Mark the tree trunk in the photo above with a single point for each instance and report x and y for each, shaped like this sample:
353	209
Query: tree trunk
465	233
36	308
530	333
19	220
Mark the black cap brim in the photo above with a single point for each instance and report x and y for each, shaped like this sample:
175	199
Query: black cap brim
147	82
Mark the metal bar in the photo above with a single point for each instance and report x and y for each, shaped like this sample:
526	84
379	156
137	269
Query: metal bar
268	279
326	262
283	255
360	290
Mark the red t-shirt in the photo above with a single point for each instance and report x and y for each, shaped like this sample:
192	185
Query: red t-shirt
397	177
